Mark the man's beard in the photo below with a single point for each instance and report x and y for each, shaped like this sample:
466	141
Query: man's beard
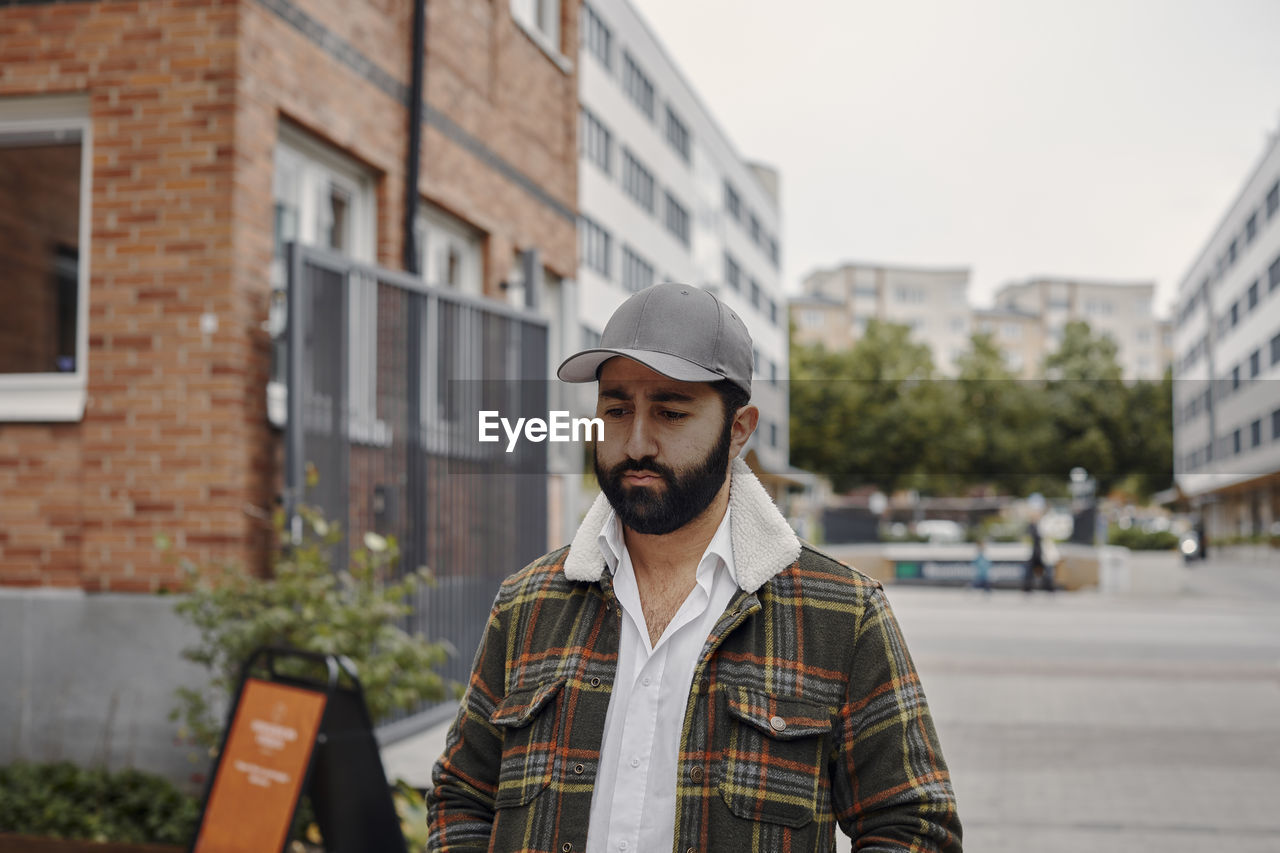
686	495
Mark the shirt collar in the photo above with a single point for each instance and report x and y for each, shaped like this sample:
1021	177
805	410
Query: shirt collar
612	545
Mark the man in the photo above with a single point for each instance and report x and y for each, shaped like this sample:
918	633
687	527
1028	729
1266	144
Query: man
686	675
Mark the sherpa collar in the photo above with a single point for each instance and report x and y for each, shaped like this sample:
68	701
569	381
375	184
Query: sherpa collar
763	543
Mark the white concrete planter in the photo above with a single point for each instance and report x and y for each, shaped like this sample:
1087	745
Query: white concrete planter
1128	572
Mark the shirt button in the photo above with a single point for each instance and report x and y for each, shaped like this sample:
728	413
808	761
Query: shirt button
635	762
647	679
777	723
696	774
622	845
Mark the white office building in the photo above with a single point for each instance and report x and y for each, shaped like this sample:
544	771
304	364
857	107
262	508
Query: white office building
1226	399
664	196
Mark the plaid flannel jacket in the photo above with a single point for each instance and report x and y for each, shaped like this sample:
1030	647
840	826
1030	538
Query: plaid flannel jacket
805	710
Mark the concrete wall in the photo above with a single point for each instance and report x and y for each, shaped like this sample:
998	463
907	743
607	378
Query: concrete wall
90	679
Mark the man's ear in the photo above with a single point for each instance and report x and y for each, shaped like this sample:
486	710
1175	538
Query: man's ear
744	423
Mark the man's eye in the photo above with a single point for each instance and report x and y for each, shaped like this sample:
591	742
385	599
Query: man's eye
675	416
615	412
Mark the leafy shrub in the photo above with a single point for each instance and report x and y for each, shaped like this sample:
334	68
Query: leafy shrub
64	801
1137	539
307	603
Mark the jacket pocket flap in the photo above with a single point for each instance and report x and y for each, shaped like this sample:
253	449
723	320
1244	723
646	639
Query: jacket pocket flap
780	717
520	706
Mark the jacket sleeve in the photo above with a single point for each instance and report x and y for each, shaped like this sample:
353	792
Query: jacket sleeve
890	784
460	808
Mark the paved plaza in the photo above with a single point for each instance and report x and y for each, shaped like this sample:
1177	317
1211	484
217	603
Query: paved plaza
1082	722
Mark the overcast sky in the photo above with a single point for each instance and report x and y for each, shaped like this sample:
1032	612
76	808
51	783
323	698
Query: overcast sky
1090	138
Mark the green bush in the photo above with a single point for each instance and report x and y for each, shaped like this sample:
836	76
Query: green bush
64	801
1137	539
308	603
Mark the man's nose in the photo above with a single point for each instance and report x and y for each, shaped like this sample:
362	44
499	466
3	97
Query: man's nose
639	439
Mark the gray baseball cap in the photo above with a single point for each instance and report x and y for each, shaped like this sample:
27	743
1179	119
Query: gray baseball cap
678	330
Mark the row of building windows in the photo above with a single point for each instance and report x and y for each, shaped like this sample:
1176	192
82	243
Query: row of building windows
1233	315
744	216
1249	368
745	284
1270	206
1242	439
597	38
637	181
637	273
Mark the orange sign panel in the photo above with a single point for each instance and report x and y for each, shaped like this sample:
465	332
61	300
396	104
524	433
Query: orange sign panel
261	771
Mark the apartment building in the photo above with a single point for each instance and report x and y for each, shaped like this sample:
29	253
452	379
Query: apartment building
663	195
1122	311
837	304
1226	430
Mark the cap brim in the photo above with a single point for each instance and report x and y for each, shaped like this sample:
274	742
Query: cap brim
582	367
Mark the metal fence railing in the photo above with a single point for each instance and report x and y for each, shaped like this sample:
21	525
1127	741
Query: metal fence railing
386	377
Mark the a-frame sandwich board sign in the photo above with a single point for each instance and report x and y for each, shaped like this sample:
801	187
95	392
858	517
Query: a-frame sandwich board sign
288	733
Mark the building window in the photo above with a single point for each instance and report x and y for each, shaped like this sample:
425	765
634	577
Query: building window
1275	425
677	134
539	18
323	198
1253	296
595	247
590	338
1273	200
773	434
813	320
773	311
1273	275
910	295
1255	364
45	196
637	85
773	252
637	273
1235	442
676	218
1275	350
597	37
595	140
755	294
450	252
753	228
1250	228
637	181
1235	378
732	272
1235	313
733	202
1255	433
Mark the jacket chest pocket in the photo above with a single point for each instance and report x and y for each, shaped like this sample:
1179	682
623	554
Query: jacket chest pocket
775	758
529	722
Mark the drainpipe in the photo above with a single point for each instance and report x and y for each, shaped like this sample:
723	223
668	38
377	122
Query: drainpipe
414	156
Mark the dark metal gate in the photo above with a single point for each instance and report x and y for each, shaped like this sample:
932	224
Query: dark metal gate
386	377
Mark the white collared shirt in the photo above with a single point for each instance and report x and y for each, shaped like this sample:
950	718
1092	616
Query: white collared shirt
633	805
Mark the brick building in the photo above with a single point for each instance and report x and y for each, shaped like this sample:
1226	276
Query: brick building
154	158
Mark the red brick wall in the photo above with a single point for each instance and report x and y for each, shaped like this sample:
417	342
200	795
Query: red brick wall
185	101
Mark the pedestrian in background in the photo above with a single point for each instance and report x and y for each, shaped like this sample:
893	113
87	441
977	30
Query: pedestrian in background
982	568
1035	563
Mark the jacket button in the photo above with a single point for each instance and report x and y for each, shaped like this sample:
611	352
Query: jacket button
578	768
704	683
778	724
696	774
691	850
566	847
595	682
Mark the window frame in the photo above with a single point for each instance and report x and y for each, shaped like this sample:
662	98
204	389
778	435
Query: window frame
56	397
